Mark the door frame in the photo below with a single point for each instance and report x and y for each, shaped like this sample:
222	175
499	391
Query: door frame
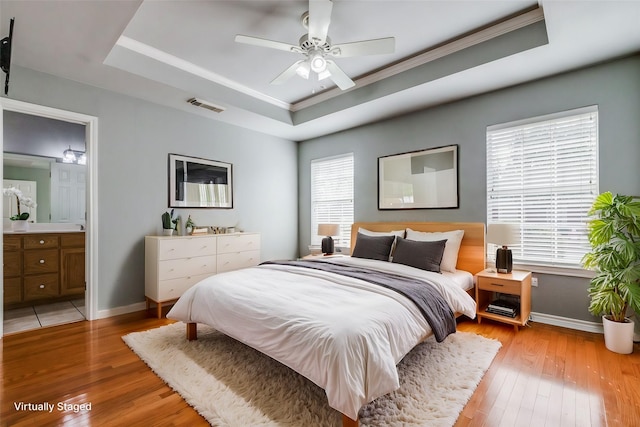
91	234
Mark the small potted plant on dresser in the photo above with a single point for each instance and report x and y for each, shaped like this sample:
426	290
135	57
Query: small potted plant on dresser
168	223
614	235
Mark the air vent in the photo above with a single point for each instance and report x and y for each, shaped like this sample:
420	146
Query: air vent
205	104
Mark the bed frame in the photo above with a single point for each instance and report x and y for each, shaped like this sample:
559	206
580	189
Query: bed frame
471	256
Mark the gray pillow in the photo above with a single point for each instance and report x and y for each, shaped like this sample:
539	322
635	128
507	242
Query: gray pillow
422	255
373	247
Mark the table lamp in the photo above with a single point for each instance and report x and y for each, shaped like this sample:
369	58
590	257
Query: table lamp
328	230
503	235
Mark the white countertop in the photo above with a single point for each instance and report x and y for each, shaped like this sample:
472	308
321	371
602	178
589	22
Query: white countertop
46	228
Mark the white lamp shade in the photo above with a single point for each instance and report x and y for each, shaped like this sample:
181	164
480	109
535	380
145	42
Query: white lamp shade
328	229
503	234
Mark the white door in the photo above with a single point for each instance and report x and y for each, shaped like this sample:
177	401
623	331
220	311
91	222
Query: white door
68	193
10	203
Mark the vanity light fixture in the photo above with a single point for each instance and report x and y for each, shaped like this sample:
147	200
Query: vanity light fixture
73	156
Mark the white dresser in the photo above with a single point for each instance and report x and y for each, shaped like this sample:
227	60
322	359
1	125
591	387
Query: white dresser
175	263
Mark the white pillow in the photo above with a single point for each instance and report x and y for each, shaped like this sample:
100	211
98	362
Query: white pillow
397	233
451	248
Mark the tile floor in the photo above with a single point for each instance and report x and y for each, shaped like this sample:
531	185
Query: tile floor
24	319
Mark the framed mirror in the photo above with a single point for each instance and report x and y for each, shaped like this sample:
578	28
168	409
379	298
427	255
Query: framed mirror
199	183
425	179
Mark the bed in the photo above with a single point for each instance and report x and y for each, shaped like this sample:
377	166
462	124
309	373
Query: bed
321	319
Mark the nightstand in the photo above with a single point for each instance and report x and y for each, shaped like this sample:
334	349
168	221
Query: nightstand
516	283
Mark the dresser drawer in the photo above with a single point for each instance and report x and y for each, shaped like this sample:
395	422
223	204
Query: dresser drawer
238	243
12	290
499	285
36	262
175	268
235	261
173	289
12	243
12	264
40	286
72	240
186	247
40	241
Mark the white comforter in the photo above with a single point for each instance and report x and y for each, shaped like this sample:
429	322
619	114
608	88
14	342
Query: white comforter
343	334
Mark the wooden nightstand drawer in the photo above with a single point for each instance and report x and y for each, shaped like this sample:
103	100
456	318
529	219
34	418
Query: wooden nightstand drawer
499	285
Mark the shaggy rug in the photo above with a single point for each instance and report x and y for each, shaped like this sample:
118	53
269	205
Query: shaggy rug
231	384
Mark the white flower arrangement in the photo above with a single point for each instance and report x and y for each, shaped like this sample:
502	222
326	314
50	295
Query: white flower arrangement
22	200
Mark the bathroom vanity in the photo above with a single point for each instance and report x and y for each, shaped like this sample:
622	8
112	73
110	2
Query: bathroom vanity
42	267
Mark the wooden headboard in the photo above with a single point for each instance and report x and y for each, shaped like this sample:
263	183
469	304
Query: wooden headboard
471	256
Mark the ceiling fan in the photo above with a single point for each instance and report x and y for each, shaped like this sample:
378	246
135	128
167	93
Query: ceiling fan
318	49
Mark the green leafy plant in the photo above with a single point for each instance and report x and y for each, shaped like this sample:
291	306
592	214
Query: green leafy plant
614	235
190	222
168	221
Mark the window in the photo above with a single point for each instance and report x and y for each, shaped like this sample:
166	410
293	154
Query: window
332	196
542	174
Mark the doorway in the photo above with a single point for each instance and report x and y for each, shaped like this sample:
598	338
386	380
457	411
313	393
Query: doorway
91	137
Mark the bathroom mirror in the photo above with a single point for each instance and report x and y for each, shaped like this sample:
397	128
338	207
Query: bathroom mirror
58	188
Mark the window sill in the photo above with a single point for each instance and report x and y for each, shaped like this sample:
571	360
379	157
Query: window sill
547	269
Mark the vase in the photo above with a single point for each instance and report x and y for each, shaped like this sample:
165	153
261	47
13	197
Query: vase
167	231
20	225
618	336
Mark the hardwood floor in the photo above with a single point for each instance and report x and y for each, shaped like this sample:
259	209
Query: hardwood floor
543	375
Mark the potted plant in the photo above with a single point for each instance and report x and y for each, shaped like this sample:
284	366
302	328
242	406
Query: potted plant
189	225
168	223
19	220
614	235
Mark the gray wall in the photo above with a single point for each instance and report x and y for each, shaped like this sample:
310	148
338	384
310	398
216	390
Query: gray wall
614	87
40	136
135	138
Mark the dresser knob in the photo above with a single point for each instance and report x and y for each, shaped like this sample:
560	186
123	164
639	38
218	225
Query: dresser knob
42	242
41	261
41	286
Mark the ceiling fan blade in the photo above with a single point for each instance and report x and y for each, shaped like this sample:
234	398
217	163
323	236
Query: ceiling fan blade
339	77
319	19
256	41
365	47
287	74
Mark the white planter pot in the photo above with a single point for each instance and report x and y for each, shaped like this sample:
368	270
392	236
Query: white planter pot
618	337
167	231
20	225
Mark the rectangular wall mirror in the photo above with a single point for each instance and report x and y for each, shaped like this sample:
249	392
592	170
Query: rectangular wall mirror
199	183
425	179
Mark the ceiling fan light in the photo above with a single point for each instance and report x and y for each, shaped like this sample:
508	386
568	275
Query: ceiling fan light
318	63
303	70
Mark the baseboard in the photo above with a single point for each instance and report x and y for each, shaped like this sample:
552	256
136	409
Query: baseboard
566	322
139	306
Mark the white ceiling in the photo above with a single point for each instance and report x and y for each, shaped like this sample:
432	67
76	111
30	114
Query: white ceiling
169	51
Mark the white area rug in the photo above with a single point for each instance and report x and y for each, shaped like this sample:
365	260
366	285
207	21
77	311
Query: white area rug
231	384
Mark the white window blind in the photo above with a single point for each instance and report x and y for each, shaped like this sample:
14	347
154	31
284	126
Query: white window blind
542	174
332	196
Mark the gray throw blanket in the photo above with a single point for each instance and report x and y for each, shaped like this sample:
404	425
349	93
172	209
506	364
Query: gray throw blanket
431	304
